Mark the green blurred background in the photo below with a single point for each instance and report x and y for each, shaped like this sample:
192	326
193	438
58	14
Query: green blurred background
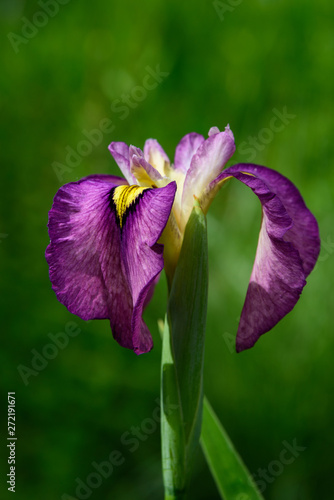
230	62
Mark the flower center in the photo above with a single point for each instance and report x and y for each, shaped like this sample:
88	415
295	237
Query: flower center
123	197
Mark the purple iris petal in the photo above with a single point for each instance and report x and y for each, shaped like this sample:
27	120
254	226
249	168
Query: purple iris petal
120	153
155	155
213	131
287	250
186	149
100	269
206	164
143	257
133	150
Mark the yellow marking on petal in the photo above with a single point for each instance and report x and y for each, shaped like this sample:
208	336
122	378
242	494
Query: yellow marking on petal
143	178
247	173
123	198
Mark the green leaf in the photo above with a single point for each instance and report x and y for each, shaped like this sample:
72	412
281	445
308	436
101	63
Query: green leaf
187	310
183	357
232	478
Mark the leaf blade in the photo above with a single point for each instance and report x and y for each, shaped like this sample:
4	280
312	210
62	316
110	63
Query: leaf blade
172	431
187	309
233	480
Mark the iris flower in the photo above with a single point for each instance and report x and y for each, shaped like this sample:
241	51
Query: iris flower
110	237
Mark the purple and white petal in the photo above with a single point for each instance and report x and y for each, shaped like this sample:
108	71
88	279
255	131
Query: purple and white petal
205	166
304	234
145	174
213	131
186	149
133	150
90	263
156	156
281	265
120	153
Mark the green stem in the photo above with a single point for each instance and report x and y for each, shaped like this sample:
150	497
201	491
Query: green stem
172	429
183	359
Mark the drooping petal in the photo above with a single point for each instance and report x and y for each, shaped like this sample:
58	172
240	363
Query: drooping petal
304	234
186	149
79	236
156	156
142	254
103	255
120	153
205	166
281	263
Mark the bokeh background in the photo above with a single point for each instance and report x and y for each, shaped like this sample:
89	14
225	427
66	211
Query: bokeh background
65	69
